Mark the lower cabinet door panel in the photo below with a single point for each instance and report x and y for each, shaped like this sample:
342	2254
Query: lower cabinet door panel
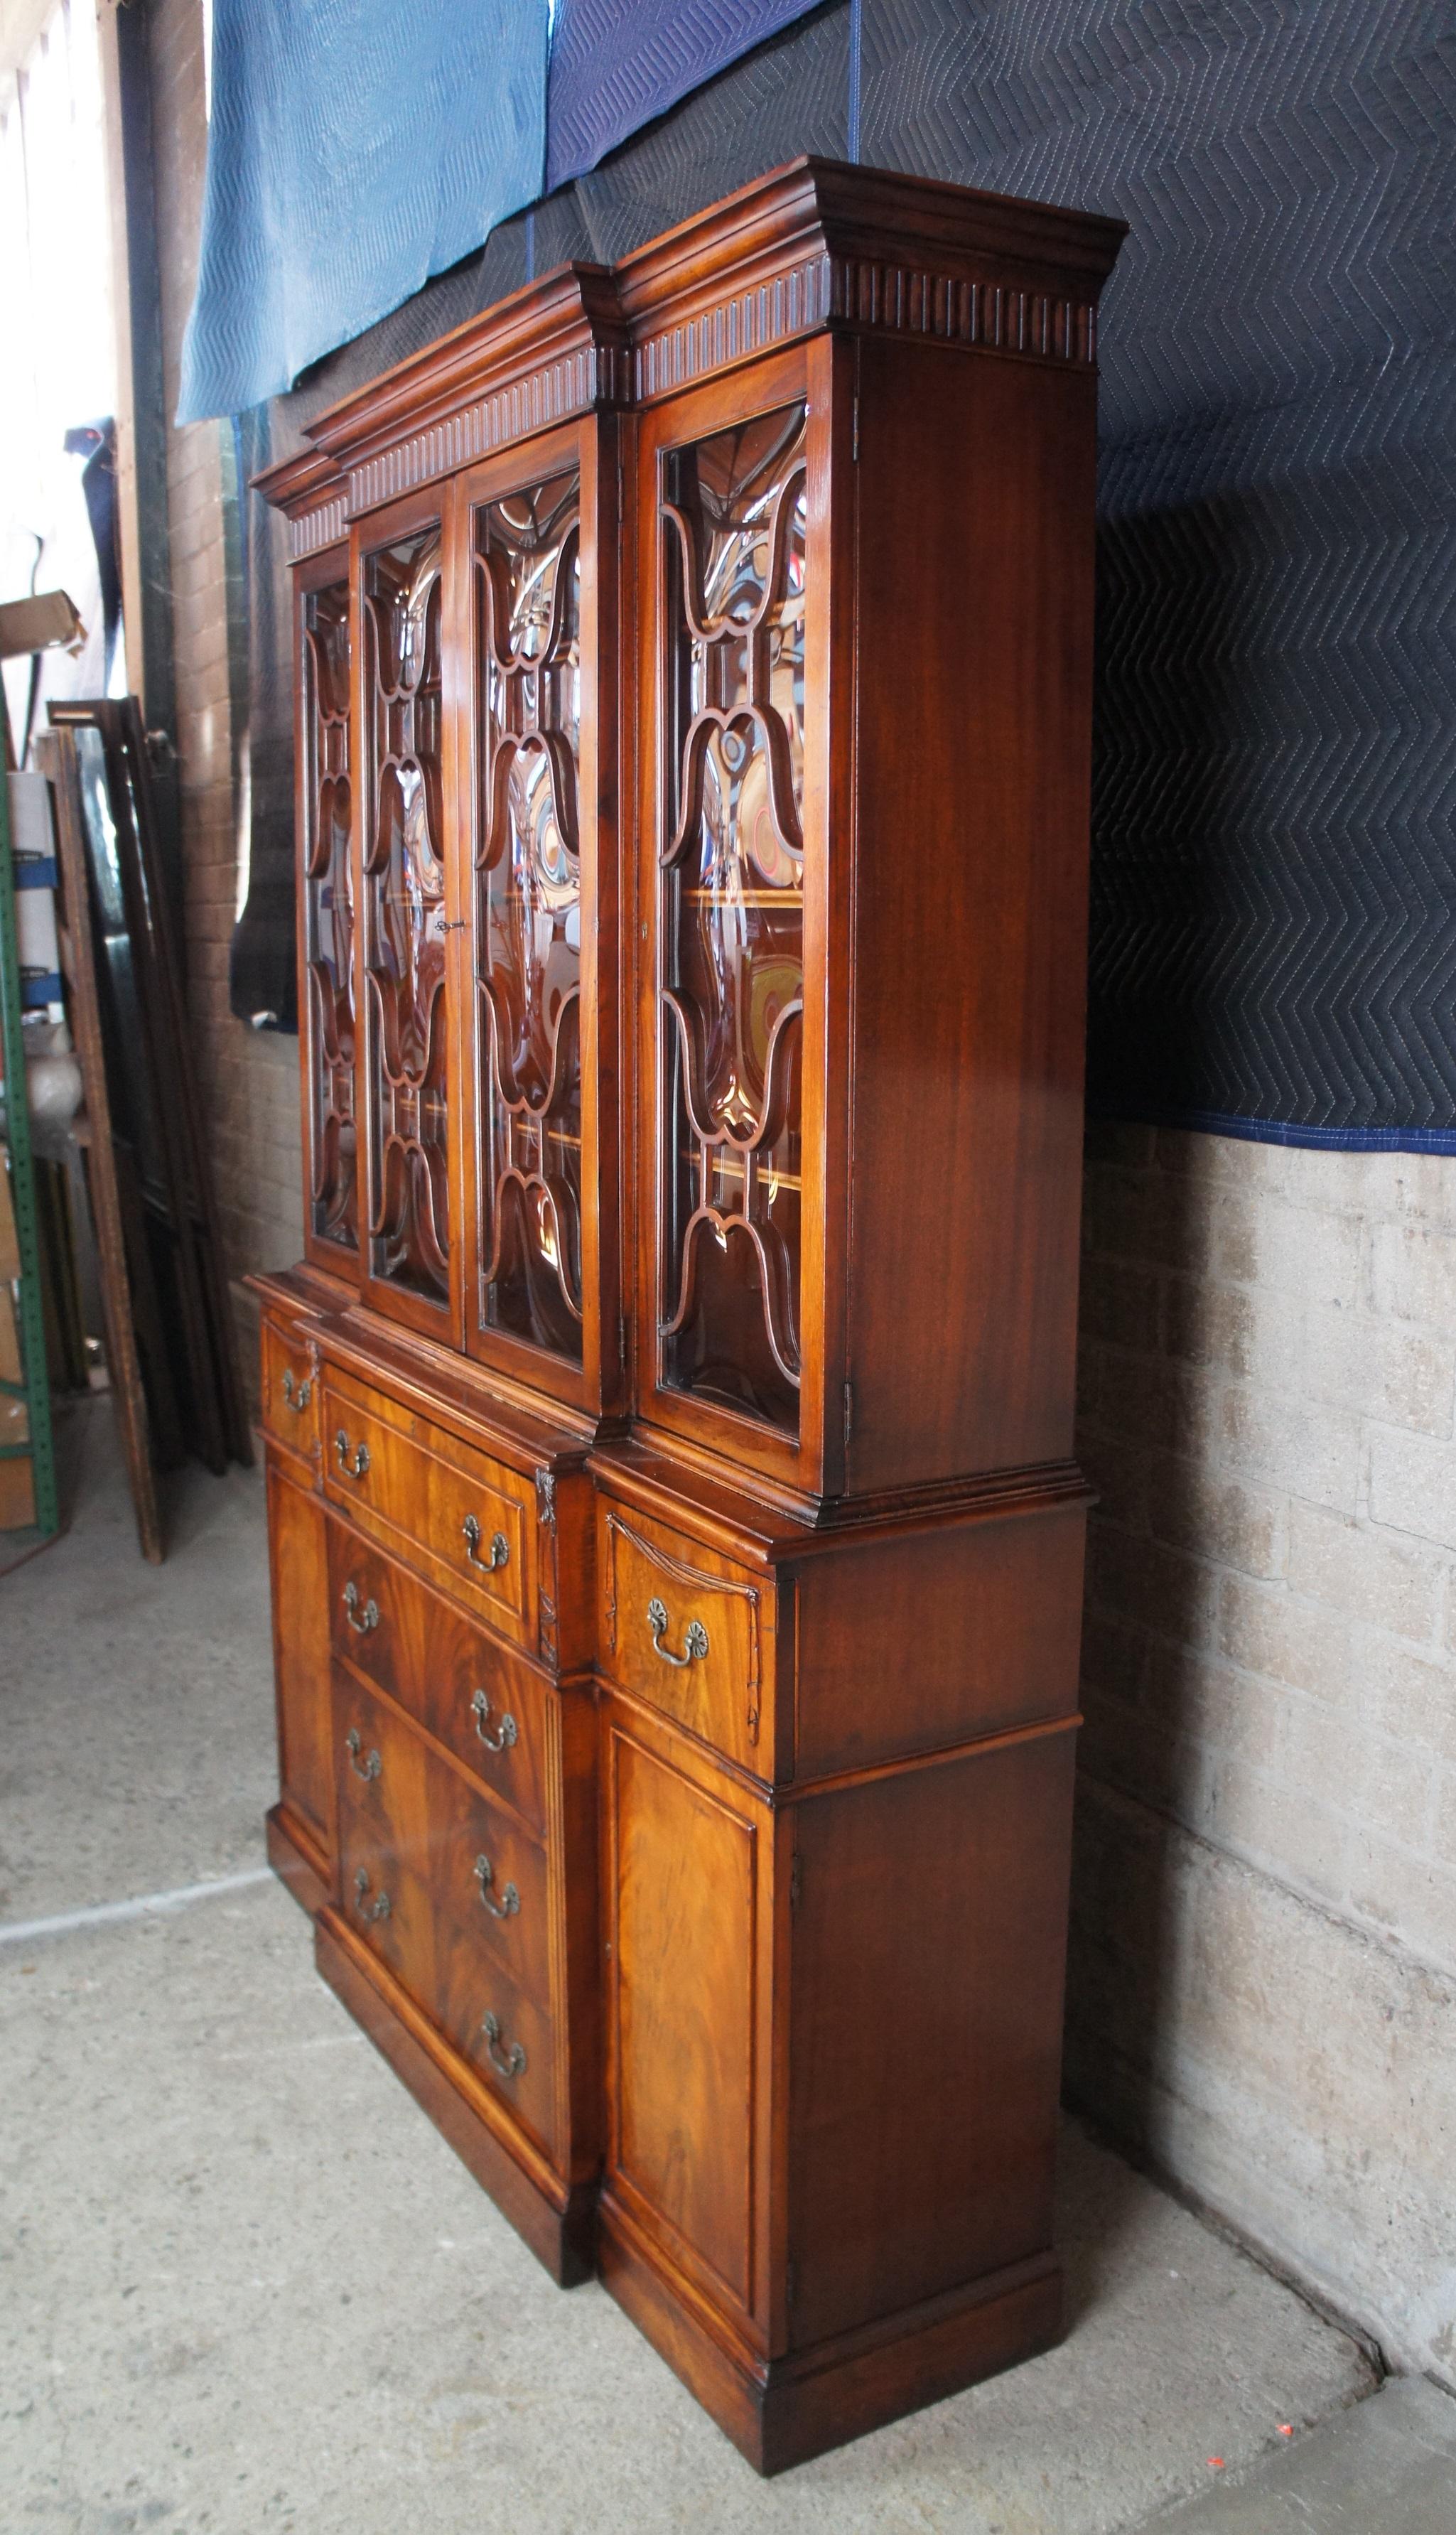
299	1565
682	1896
928	1937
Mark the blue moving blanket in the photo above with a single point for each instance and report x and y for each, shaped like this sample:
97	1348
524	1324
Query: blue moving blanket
614	64
355	148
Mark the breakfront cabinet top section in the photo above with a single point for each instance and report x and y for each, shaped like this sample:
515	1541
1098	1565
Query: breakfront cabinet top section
551	350
814	245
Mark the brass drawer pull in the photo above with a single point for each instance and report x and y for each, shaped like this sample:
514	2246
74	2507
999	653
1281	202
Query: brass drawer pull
499	1546
696	1641
354	1466
504	1734
353	1745
379	1907
485	1876
360	1621
297	1393
511	2062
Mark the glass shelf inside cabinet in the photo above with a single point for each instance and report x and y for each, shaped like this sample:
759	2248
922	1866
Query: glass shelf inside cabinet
731	1005
406	1085
328	917
528	915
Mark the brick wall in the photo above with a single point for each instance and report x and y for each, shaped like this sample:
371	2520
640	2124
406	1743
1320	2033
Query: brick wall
248	1079
1263	1972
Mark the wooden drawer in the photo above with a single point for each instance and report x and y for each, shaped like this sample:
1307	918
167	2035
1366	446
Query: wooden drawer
685	1629
291	1404
482	1702
503	2030
411	1835
385	1832
466	1521
490	1885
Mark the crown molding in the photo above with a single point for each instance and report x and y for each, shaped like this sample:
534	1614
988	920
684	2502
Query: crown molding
811	245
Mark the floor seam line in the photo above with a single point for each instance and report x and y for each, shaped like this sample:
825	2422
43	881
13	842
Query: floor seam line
104	1914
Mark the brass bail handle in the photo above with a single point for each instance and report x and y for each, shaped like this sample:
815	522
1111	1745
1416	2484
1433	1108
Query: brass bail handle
370	1767
511	2062
499	1739
361	1621
354	1465
485	1876
499	1546
297	1393
695	1643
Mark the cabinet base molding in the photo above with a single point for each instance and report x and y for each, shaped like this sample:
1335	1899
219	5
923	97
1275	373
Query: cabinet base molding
785	2411
297	1860
560	2230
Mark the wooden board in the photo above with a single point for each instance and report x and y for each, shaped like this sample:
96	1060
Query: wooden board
57	754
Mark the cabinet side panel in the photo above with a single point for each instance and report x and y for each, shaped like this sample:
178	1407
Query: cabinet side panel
299	1566
973	703
917	1644
929	1944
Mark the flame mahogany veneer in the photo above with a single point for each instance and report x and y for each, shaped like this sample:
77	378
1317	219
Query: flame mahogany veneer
676	1544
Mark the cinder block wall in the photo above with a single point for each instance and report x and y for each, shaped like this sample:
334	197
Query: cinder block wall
248	1078
1262	1988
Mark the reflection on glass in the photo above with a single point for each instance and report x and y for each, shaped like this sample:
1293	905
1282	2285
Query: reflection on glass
732	858
405	919
328	916
528	915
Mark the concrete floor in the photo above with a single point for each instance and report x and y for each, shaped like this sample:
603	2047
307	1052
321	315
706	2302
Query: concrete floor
248	2288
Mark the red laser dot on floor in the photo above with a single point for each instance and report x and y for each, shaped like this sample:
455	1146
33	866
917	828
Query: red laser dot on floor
1217	2463
1285	2429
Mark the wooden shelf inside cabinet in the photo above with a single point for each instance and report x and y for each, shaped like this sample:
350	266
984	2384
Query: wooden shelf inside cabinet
673	1490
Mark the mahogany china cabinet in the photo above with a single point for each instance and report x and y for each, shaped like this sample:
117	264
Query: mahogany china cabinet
676	1542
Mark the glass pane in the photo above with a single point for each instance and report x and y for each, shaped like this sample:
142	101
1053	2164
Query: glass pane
404	918
328	915
528	915
731	1021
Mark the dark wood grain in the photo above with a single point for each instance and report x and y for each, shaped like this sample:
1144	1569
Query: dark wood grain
928	1937
298	1565
290	1397
483	1703
682	1893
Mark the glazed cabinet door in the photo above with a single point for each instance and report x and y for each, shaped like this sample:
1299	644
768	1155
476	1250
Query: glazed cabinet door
735	487
535	545
328	896
405	962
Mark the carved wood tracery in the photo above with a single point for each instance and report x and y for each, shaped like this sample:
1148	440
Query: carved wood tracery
404	966
734	526
328	917
528	915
